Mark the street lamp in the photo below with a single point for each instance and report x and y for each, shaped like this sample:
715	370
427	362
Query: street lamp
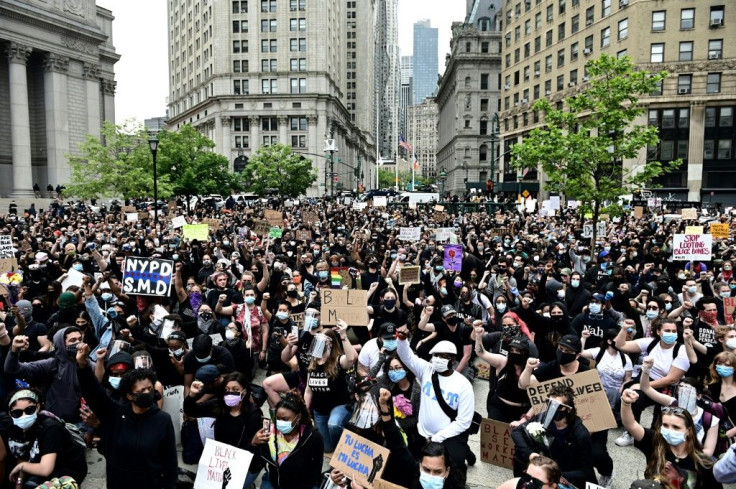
495	128
153	144
331	147
443	176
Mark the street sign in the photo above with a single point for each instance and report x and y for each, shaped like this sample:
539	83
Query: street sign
335	179
525	193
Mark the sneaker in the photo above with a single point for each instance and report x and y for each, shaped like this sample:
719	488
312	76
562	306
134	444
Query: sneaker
606	480
625	440
470	457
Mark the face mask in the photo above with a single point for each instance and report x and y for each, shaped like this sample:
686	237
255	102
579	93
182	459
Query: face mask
71	350
517	359
673	438
145	400
511	331
112	313
561	294
250	300
691	290
709	316
283	316
669	338
440	365
604	265
204	360
443	291
311	323
726	294
731	343
501	307
438	268
431	481
78	267
25	421
668	306
195	300
229	335
285	427
565	358
204	321
390	345
594	308
652	314
206	263
114	382
389	303
732	286
457	284
292	294
575	284
178	353
232	400
396	375
607	248
323	274
107	297
681	276
724	370
559	415
586	259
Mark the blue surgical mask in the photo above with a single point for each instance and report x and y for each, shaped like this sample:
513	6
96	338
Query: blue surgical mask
390	345
323	274
652	314
282	315
429	481
114	382
25	421
669	338
501	307
668	306
203	360
250	300
443	291
285	427
726	294
112	313
396	375
673	438
78	267
724	370
107	297
575	283
594	308
438	268
311	323
692	289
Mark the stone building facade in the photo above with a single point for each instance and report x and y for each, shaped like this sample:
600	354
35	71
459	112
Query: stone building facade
57	84
422	133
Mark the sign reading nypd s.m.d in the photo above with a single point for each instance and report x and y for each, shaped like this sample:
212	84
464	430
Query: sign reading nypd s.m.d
147	276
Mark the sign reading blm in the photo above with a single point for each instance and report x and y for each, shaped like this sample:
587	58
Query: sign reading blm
147	276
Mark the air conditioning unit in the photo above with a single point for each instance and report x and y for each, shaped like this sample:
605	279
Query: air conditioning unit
683	91
536	74
588	21
586	78
623	3
548	92
507	87
714	56
716	22
587	51
572	84
516	104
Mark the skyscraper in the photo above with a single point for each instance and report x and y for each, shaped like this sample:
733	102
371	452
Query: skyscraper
387	77
425	60
406	97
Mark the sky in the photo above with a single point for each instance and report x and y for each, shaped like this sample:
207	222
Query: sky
140	37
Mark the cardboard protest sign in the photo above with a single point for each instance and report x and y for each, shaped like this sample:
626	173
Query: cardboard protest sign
443	234
212	223
147	276
439	208
174	405
359	459
690	247
309	216
128	209
274	218
303	234
297	320
261	228
690	213
638	212
409	275
172	205
382	484
693	229
143	215
719	230
200	232
453	258
348	305
380	201
178	222
591	401
729	307
496	445
359	206
275	232
499	231
6	246
8	264
219	462
410	234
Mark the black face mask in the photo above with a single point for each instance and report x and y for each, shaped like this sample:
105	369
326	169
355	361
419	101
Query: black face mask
145	400
560	415
526	481
565	358
454	321
292	293
517	359
71	350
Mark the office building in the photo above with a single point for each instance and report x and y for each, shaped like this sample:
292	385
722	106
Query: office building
405	97
387	78
422	133
425	60
253	73
468	100
57	85
548	43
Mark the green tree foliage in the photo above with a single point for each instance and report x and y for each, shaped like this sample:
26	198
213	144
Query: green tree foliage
121	166
188	158
278	167
386	178
581	149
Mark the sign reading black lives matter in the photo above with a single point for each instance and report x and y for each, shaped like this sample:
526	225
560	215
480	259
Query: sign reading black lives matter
147	276
6	246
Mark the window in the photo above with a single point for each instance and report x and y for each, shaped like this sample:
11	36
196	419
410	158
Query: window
548	63
589	44
708	149
298	141
269	65
483	127
268	5
548	39
240	7
236	87
550	13
561	32
605	7
574	76
657	53
236	47
682	149
560	58
605	37
715	49
268	25
687	18
653	119
484	105
590	16
538	21
298	64
269	86
623	29
686	51
528	27
562	7
726	117
684	119
716	15
547	87
268	45
269	124
724	149
484	81
575	24
561	82
658	20
537	44
484	24
668	118
684	83
484	48
667	151
298	85
622	53
526	73
574	52
714	83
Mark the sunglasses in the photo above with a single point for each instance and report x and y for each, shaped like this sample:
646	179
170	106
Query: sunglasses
673	410
17	413
652	308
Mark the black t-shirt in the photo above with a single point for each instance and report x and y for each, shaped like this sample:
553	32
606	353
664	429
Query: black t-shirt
277	330
551	370
685	466
327	393
460	337
302	353
381	316
33	331
220	356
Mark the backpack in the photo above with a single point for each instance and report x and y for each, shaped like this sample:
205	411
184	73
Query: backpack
602	351
655	342
74	432
711	409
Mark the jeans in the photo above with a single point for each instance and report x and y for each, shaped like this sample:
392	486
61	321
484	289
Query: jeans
250	479
330	425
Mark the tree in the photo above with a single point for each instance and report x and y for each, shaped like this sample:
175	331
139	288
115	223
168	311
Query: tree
581	150
194	169
386	178
278	167
118	163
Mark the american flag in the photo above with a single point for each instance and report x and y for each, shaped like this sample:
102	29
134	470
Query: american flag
404	144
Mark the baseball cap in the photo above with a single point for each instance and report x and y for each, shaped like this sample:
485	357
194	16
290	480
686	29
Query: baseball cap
67	300
603	254
388	329
207	373
447	309
572	342
444	346
566	271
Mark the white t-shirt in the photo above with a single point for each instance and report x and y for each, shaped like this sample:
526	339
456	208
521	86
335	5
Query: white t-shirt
369	354
663	358
610	369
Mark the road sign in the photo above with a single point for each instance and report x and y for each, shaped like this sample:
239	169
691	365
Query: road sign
335	179
525	193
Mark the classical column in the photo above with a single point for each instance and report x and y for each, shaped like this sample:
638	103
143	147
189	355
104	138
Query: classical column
91	74
695	151
312	143
57	117
283	127
20	124
225	142
108	94
255	133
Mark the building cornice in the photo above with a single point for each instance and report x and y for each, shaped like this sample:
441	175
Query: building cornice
80	31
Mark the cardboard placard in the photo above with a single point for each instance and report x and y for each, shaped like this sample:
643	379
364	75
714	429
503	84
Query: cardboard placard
382	484
310	217
131	217
348	305
410	234
8	264
200	232
380	201
128	208
275	232
591	401
638	212
729	307
6	246
359	459
440	216
172	205
219	461
719	230
178	222
691	213
297	320
147	276
212	223
261	228
690	247
443	234
274	218
174	405
439	208
303	235
499	231
143	215
453	258
409	275
496	445
693	229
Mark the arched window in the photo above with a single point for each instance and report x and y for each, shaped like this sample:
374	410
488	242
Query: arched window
484	24
468	82
483	152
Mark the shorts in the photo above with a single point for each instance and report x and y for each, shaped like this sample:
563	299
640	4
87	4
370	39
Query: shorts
294	380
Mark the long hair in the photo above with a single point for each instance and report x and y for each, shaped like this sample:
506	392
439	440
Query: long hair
723	357
243	382
455	479
395	356
333	360
293	401
522	325
657	461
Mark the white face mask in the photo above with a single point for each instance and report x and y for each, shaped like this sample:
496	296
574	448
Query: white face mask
440	365
230	334
731	343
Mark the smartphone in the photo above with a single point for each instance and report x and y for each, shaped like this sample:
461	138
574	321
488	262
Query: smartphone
295	331
266	424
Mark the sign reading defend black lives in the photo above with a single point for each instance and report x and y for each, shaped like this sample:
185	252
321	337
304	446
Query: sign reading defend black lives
147	276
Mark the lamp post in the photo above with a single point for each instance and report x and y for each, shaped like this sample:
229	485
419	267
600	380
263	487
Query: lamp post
443	176
331	147
465	167
495	127
153	144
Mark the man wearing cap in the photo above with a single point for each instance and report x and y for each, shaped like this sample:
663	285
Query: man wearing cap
599	274
457	392
594	321
374	352
451	329
204	353
35	332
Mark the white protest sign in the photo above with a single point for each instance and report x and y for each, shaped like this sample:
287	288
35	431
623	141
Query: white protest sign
178	221
219	461
131	217
588	230
443	234
174	405
380	201
410	234
654	202
359	206
73	277
554	202
601	228
6	246
691	247
573	204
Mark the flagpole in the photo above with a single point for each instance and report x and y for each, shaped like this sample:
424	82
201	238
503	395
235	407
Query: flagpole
413	166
